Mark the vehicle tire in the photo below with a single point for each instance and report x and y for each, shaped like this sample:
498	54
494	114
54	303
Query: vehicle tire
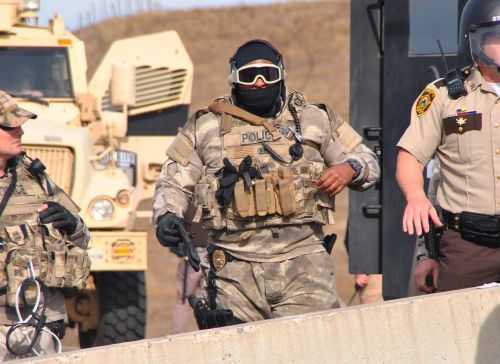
122	298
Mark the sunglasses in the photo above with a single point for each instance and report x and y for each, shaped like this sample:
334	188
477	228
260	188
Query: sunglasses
8	128
248	75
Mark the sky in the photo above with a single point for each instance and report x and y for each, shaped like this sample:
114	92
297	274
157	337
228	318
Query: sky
83	12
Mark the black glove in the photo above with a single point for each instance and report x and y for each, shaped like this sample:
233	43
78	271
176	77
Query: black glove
60	217
170	230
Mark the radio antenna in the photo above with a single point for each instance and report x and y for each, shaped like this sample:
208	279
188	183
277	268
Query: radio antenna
442	55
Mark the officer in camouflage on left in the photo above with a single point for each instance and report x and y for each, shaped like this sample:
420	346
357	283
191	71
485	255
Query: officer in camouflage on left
42	242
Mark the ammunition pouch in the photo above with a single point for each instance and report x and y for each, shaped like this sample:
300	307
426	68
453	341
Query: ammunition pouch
206	203
480	229
17	270
285	196
41	248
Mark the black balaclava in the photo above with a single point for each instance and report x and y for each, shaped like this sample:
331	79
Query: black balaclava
265	101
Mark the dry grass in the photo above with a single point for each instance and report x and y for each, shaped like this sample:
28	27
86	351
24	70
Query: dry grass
313	38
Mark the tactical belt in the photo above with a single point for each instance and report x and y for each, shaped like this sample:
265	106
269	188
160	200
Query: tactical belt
480	229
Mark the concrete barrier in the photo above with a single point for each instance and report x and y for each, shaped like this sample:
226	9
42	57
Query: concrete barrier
458	327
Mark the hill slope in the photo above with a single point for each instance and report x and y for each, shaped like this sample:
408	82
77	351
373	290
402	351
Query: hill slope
312	36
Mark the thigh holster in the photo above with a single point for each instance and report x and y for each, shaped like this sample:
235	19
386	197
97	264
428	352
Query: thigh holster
208	316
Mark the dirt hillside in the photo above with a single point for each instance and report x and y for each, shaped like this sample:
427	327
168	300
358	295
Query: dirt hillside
313	38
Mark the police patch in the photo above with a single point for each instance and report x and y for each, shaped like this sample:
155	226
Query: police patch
425	101
252	137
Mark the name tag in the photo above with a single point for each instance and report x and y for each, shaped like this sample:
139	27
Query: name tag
252	137
20	189
246	135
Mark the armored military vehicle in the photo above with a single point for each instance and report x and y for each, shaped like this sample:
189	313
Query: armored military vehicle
394	54
104	142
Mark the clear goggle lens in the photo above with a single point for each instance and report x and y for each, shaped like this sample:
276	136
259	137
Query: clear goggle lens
485	44
269	73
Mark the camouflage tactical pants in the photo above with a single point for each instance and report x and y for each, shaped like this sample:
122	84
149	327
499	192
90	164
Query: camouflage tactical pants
258	291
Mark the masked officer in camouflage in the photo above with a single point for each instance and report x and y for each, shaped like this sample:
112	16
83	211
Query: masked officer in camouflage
29	201
464	130
262	167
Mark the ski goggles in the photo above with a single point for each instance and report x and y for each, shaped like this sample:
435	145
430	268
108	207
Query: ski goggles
248	75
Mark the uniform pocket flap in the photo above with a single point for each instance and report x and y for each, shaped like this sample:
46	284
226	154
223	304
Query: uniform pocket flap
462	123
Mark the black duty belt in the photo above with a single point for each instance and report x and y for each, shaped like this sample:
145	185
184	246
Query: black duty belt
480	229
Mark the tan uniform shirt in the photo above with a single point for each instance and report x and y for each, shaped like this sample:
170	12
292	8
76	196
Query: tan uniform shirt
174	190
465	133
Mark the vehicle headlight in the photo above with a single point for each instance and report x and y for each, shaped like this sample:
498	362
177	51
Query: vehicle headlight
102	209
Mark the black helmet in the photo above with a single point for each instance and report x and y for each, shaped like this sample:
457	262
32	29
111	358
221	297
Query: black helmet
479	19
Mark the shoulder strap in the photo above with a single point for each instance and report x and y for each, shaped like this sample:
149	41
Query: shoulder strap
297	102
9	191
37	170
221	107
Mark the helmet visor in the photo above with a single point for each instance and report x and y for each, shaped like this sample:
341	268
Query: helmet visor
269	73
485	44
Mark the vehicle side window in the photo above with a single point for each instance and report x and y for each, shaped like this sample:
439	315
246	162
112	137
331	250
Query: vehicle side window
432	19
35	71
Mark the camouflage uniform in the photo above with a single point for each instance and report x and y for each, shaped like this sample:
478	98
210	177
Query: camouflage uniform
29	194
278	264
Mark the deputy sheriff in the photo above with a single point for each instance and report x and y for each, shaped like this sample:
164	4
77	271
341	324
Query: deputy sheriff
41	246
461	123
262	167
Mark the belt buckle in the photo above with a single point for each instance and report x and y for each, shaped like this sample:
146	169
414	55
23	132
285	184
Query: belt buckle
219	259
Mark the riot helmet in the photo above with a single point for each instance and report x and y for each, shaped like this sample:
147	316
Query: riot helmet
254	60
480	32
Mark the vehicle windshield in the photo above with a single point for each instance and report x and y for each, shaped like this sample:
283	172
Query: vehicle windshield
35	72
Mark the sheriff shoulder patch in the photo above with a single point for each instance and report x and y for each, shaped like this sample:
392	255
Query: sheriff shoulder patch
425	101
